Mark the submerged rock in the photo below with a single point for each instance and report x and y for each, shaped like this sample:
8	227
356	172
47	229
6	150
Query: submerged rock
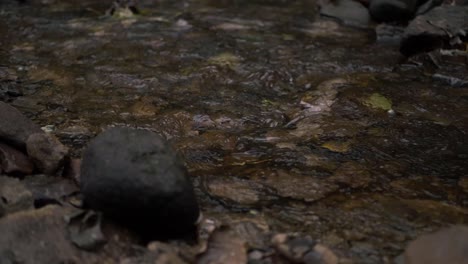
448	245
15	128
47	152
442	27
348	11
135	177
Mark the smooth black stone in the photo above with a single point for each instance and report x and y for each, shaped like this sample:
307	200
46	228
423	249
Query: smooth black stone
136	178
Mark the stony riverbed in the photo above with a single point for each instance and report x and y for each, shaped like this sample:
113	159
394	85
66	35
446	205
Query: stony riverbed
288	122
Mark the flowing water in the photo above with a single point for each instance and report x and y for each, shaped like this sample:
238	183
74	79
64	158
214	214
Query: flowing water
283	117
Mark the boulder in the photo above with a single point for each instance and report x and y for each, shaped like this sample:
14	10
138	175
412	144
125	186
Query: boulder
442	27
15	128
136	178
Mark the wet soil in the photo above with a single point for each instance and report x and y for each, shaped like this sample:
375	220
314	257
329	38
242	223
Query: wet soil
282	116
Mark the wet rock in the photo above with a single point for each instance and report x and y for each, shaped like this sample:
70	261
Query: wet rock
161	253
348	11
135	177
450	80
449	245
49	189
299	249
392	10
14	162
14	196
37	236
224	247
84	229
389	34
442	27
47	152
15	128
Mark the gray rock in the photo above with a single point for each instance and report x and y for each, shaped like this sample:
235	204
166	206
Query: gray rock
15	128
135	177
37	236
449	245
14	162
348	11
47	152
14	196
442	27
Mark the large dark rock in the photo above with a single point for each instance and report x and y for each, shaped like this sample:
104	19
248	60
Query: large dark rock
15	128
442	27
135	177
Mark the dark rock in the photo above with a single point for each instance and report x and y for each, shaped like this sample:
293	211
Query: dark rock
47	152
15	128
392	10
449	245
348	11
427	6
14	162
14	196
48	189
442	27
135	177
